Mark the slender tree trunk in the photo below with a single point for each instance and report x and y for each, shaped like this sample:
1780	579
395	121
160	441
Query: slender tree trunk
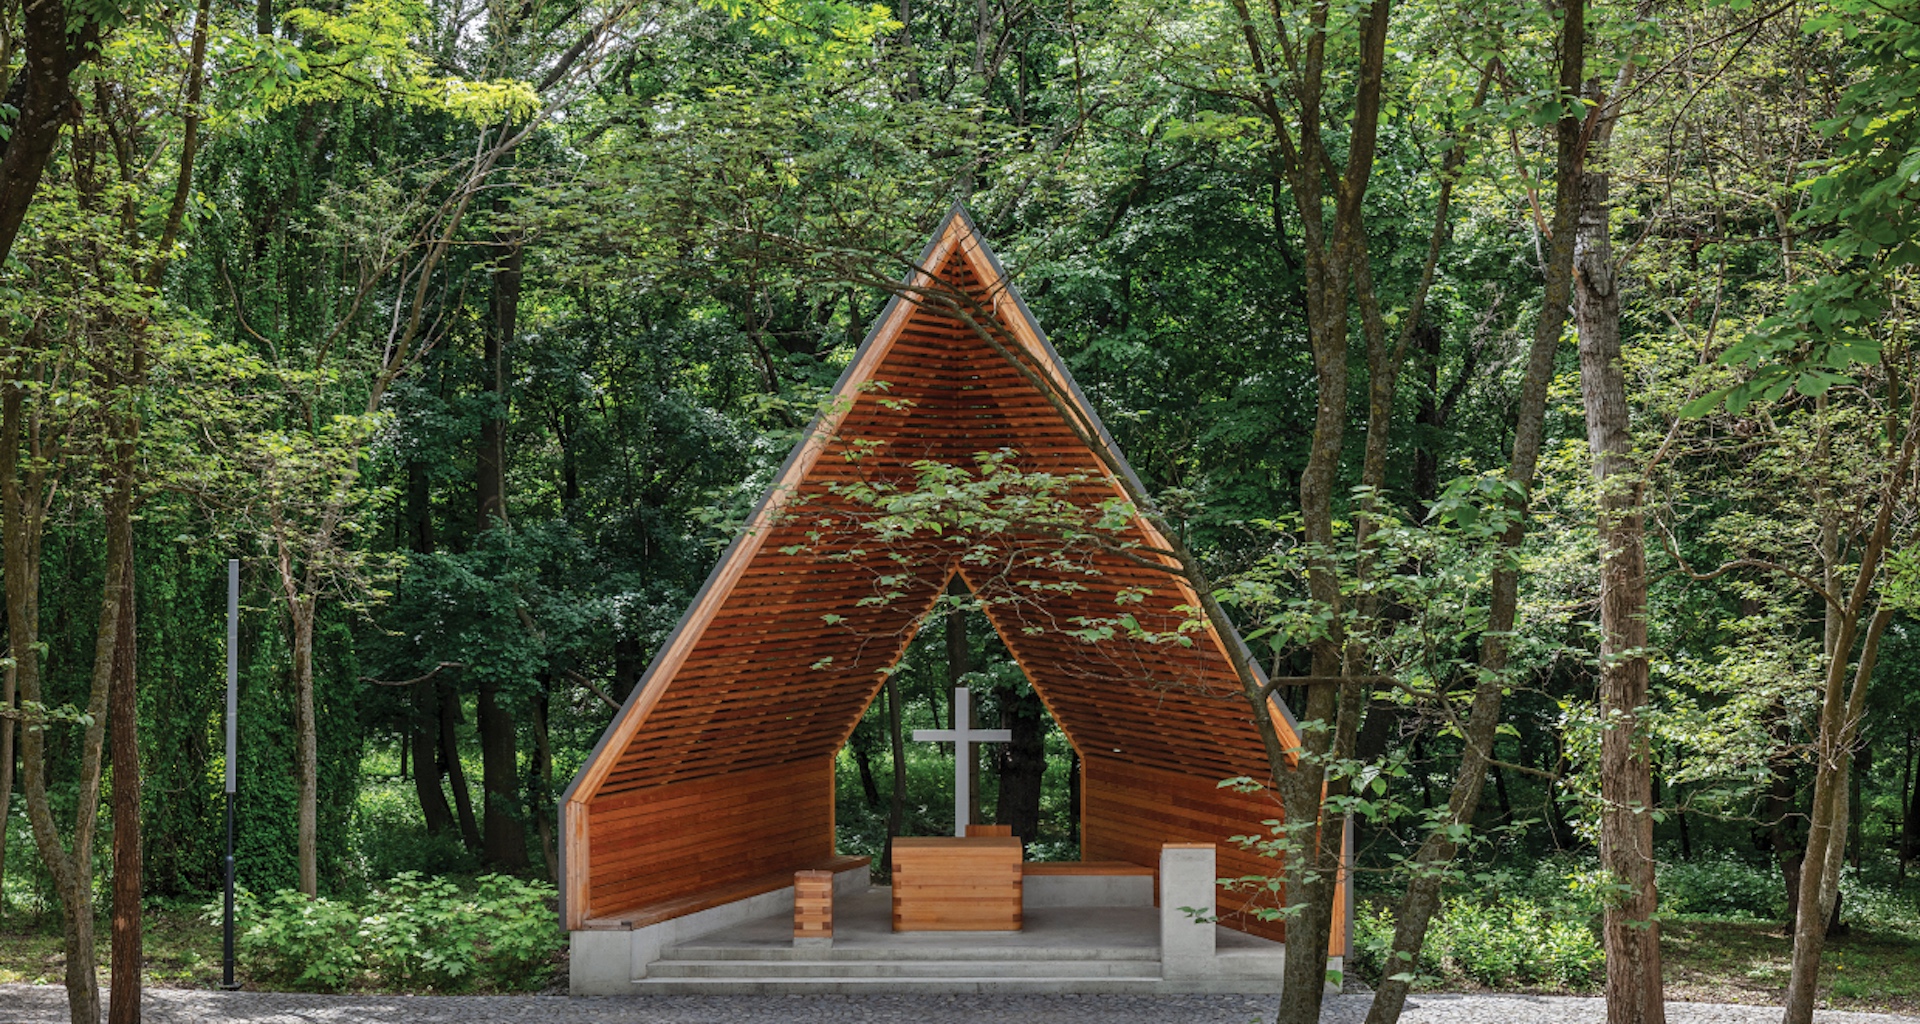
423	725
124	726
897	808
70	862
869	784
1023	762
306	749
1843	704
503	838
543	777
1909	818
456	772
1630	932
8	684
1414	915
20	523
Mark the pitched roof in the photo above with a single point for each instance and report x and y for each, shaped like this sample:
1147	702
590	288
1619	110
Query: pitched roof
791	637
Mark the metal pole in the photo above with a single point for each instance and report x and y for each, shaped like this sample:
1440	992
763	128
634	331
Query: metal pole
233	723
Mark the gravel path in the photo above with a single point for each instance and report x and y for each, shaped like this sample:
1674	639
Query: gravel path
40	1004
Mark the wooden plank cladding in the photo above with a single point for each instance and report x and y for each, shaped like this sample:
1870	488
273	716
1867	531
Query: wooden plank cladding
673	841
717	771
949	884
1129	810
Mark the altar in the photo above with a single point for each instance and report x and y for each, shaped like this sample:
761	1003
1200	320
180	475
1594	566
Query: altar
957	884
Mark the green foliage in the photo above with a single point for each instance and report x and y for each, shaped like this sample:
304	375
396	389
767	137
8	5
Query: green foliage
1721	885
1862	207
301	942
410	933
1506	943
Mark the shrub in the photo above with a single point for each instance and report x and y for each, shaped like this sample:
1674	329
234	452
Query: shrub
411	933
1506	943
1721	886
295	941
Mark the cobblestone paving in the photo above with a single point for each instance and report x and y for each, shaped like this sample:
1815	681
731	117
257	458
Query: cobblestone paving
30	1004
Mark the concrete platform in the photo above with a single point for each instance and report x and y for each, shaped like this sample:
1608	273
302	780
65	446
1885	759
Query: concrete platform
1082	950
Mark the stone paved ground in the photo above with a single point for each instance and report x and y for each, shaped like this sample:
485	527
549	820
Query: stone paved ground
28	1004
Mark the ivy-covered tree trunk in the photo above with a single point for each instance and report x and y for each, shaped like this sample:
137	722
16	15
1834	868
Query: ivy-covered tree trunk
306	747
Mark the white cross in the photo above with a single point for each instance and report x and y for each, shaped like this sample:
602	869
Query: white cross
963	736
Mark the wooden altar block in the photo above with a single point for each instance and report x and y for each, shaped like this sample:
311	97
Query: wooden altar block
989	830
949	884
812	907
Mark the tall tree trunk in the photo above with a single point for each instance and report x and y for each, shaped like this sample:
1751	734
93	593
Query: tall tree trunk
1630	932
1023	762
450	719
423	725
503	837
123	710
69	860
306	748
1843	703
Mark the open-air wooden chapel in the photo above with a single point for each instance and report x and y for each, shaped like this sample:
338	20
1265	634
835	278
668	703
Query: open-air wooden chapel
699	835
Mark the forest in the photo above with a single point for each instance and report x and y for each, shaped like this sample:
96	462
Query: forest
1542	373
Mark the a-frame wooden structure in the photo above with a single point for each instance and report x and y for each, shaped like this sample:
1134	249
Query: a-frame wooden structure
719	768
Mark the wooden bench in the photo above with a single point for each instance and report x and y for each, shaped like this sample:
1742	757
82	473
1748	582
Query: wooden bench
951	884
706	899
1097	883
1084	867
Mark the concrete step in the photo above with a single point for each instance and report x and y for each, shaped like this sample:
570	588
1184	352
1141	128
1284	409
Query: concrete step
1122	985
906	952
759	970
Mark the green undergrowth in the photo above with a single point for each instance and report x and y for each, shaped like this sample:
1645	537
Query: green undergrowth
1721	931
412	934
